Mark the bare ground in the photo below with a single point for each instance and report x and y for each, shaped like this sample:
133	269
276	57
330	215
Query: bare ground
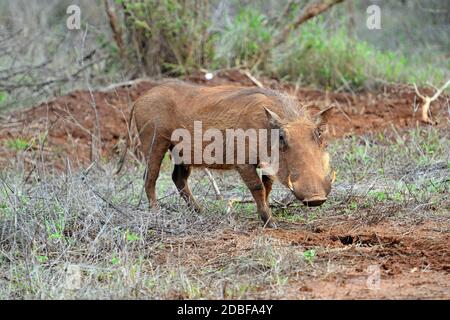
413	261
70	119
387	215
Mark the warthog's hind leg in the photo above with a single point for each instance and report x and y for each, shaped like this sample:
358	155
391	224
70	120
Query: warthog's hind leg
154	158
250	176
180	177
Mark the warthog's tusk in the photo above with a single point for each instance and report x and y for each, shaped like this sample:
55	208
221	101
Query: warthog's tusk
290	186
333	176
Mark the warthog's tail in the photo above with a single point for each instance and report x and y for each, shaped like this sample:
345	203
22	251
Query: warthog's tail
127	144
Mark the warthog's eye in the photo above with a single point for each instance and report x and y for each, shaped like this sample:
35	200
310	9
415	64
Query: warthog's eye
318	136
283	140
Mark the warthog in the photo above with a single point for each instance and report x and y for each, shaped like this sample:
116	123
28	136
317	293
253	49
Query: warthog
303	164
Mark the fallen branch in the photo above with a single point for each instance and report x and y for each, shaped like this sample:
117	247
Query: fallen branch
253	79
427	101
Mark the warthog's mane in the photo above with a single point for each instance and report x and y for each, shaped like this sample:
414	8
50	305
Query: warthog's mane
290	108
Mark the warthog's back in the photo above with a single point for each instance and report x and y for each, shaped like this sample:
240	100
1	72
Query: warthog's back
176	104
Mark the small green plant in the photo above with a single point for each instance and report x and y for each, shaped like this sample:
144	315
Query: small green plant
353	205
379	195
55	235
18	144
114	260
309	255
42	259
4	208
55	229
130	236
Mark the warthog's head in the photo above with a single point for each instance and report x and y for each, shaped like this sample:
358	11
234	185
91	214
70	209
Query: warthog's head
303	160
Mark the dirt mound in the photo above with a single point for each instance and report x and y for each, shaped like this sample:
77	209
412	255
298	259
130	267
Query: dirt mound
411	261
66	124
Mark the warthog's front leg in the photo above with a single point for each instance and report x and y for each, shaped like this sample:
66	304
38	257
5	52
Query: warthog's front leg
180	177
268	181
256	186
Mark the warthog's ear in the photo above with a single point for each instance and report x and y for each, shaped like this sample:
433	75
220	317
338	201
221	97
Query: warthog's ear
274	119
322	117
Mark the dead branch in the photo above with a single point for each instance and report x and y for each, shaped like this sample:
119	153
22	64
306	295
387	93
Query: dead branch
116	30
128	83
37	86
427	101
310	12
253	79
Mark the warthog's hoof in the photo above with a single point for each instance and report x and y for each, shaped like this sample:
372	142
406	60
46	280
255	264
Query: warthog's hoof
197	207
270	224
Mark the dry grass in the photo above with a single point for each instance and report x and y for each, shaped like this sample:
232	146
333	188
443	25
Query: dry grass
89	234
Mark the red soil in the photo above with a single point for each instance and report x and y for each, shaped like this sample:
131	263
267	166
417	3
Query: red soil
414	260
70	119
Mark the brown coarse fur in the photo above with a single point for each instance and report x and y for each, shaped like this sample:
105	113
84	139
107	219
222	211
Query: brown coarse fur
303	163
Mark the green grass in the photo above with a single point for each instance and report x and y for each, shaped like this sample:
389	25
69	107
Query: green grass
330	58
18	144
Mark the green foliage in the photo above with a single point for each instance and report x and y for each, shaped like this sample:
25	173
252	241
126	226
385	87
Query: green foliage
243	38
331	58
167	36
114	260
177	37
379	195
55	230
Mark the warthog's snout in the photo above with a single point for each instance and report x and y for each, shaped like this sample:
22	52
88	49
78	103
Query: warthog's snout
314	202
312	198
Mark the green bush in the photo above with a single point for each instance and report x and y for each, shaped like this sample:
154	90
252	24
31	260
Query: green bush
243	38
167	36
332	59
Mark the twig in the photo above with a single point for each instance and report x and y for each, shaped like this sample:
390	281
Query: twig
427	101
122	84
214	184
95	136
232	201
253	79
